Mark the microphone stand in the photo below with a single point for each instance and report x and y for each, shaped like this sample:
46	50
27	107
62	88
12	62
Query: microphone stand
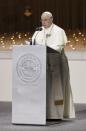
38	30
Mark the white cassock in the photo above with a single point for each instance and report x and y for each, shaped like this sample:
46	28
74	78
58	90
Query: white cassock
59	95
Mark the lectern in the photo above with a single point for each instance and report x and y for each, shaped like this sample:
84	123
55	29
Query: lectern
29	84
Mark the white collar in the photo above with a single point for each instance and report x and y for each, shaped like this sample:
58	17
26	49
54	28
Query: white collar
48	31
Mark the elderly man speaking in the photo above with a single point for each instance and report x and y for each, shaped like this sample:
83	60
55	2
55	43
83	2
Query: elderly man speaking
59	95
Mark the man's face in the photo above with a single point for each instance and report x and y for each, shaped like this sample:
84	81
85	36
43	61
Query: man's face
46	21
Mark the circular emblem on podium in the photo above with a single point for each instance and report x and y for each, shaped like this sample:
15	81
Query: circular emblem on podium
28	68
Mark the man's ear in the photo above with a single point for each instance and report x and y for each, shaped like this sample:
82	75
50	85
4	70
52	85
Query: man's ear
52	19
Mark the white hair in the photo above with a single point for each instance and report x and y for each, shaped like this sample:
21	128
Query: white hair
47	13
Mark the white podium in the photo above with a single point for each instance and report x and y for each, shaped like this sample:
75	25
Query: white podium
29	85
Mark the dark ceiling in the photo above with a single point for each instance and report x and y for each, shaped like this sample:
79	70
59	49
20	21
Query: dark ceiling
67	14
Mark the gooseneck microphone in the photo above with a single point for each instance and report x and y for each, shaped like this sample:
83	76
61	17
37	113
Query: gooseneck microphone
38	29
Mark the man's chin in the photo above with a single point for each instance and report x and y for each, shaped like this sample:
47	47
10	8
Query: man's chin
45	27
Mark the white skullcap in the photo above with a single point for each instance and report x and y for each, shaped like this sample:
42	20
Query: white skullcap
47	13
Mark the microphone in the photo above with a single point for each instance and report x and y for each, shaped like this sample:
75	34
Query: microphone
38	29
